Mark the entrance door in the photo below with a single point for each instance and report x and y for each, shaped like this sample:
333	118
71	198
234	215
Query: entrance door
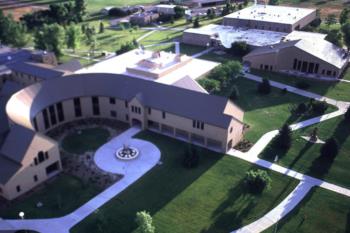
136	122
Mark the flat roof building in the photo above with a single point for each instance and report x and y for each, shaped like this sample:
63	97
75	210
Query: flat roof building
272	18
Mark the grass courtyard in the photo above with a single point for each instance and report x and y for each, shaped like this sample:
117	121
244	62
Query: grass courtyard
81	141
209	198
304	157
264	113
335	90
59	197
320	211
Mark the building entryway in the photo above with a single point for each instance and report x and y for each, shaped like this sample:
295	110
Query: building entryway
136	122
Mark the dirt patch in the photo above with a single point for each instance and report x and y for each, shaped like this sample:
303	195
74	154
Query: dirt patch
17	13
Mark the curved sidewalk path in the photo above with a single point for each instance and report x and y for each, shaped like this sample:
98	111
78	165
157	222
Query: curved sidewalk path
132	171
306	182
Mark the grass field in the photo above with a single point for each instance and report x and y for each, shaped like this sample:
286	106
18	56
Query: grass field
321	211
59	197
304	157
335	90
210	198
85	140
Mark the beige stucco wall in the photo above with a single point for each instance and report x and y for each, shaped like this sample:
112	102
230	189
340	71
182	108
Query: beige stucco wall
196	39
25	176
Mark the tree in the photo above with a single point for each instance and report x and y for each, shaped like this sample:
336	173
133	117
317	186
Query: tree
102	28
18	34
331	19
126	47
226	74
335	36
51	38
344	15
257	180
330	149
274	2
211	13
80	9
264	87
191	158
179	12
196	23
234	93
284	138
346	33
73	37
211	85
145	222
347	115
239	48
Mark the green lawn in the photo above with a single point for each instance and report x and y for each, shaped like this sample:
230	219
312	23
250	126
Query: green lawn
336	90
264	113
221	58
321	211
88	140
210	198
60	196
304	157
97	5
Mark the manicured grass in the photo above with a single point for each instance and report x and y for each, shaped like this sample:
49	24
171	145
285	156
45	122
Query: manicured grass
336	90
97	5
221	58
264	113
60	196
210	198
87	140
320	211
304	157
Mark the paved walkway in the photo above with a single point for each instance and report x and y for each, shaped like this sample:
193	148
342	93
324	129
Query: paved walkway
132	171
208	50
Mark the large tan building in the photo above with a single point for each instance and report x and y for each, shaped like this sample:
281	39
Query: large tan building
271	18
207	120
313	57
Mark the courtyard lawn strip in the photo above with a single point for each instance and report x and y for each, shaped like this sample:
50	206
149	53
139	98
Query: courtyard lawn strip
209	198
320	211
264	113
81	141
59	197
334	90
304	156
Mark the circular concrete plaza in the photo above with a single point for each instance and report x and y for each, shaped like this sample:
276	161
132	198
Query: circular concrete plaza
106	160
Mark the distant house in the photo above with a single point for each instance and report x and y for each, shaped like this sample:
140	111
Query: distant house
144	19
166	9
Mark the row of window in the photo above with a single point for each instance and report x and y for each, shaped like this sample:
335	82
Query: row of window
135	109
265	67
198	124
50	116
18	187
41	157
311	68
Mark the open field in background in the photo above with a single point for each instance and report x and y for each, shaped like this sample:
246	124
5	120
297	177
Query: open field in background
320	211
209	199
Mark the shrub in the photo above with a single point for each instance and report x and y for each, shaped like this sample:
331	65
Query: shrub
257	180
330	149
302	108
347	115
211	85
196	23
118	12
285	137
239	48
284	91
125	48
191	158
234	93
319	107
303	85
264	87
145	222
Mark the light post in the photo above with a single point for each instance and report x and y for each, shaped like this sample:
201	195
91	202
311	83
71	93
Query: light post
21	215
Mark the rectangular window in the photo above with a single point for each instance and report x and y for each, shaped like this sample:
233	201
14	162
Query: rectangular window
149	111
46	155
261	66
52	115
113	113
163	115
329	73
112	100
35	178
35	124
316	68
334	73
295	64
95	106
194	124
77	107
46	119
41	157
132	109
299	65
304	67
60	112
311	68
202	125
126	104
127	117
18	188
36	161
198	125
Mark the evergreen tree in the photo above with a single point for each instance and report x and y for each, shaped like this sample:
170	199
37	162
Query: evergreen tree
264	87
80	9
257	181
234	93
102	28
344	15
73	37
285	137
330	149
347	115
196	23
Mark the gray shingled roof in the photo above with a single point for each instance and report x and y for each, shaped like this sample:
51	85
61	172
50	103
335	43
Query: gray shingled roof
179	101
35	70
4	124
16	143
7	169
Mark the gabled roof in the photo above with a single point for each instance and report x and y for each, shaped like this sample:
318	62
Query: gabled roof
319	48
190	84
35	70
7	169
9	88
16	143
27	103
